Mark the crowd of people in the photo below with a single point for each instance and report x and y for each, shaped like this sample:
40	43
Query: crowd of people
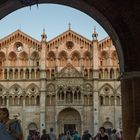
10	129
101	135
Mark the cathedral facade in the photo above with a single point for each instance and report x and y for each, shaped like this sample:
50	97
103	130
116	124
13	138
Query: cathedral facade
67	83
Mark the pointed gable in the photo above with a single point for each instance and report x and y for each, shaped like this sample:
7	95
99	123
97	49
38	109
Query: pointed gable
69	71
69	35
18	36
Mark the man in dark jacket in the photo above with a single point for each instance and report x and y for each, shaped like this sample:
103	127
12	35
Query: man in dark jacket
44	135
86	135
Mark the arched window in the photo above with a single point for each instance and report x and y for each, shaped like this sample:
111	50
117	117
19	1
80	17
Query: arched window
118	100
75	59
106	73
85	100
101	100
27	100
32	100
86	59
10	74
47	100
27	74
38	73
5	100
10	100
112	100
53	100
16	100
51	59
79	95
106	100
90	99
21	100
21	74
75	95
1	74
100	74
63	58
5	74
16	74
112	74
1	101
38	100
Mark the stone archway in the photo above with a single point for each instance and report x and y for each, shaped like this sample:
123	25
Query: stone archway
69	119
123	27
81	5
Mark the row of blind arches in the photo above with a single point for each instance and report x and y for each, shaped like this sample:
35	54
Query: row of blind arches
50	100
19	74
109	100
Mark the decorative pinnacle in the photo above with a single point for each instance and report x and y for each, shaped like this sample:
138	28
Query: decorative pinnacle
95	34
69	26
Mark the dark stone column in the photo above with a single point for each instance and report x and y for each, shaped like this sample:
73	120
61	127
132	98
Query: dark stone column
130	86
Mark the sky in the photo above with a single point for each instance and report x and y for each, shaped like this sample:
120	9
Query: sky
54	18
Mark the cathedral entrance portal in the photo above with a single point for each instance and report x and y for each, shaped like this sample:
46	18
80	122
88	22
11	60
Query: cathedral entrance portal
69	120
69	127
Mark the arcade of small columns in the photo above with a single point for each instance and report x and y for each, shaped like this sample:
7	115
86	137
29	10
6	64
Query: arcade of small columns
61	97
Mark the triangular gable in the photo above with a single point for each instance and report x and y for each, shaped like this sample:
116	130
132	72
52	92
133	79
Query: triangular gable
68	32
16	36
69	71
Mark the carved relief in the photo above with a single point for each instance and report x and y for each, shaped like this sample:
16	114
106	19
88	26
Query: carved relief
69	71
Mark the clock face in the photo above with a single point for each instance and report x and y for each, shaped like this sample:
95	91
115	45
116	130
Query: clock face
19	47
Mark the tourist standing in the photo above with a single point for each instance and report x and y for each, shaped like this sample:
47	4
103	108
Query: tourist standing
103	135
9	129
86	135
76	135
52	134
45	136
114	135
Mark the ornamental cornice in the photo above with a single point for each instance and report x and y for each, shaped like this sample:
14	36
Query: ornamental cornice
129	75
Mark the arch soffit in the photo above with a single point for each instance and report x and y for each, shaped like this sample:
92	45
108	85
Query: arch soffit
75	53
65	109
2	55
104	86
87	54
23	55
51	54
32	125
50	87
88	86
104	54
12	55
15	89
63	53
35	55
85	7
32	85
118	89
3	89
15	85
